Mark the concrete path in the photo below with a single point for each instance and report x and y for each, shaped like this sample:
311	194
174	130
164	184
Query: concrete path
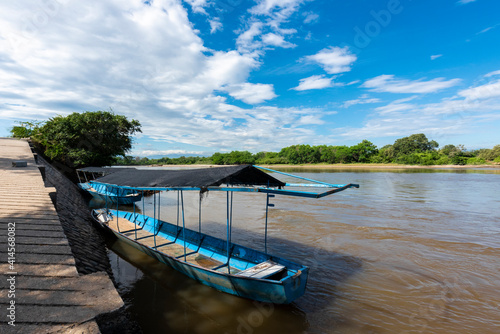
40	288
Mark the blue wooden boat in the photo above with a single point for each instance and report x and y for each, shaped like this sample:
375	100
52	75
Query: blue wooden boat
218	263
113	195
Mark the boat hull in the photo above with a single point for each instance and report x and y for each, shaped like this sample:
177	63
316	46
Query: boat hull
110	197
264	290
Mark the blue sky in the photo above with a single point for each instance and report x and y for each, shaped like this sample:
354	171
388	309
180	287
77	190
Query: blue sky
205	76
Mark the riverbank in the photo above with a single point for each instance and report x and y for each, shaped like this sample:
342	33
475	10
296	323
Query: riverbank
346	166
381	166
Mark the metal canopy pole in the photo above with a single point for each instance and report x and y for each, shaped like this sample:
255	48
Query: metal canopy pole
228	233
159	210
135	219
183	226
143	210
106	193
199	219
231	220
178	194
267	213
117	220
154	218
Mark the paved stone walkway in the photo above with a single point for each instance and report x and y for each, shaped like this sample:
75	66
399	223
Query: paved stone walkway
39	281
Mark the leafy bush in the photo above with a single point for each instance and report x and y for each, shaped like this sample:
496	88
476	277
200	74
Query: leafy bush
443	160
475	161
495	153
86	139
377	159
233	158
25	129
270	158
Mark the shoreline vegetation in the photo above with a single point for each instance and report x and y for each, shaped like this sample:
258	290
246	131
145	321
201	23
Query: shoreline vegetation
346	166
415	151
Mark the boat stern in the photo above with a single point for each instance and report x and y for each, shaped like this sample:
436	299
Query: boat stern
295	285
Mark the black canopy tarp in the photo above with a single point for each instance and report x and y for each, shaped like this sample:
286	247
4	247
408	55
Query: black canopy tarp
200	178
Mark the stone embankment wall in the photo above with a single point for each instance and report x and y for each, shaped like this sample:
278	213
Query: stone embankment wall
86	242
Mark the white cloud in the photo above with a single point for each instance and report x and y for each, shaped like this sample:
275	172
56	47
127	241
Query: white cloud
276	40
353	82
310	17
334	59
389	84
314	82
485	30
251	93
144	61
363	99
224	68
466	112
270	7
215	25
436	57
266	20
311	120
486	91
246	41
491	74
463	2
396	106
198	6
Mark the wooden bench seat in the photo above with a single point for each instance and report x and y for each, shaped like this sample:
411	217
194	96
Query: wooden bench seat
262	270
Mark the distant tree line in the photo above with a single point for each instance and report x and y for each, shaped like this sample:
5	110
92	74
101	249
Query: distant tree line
102	138
413	150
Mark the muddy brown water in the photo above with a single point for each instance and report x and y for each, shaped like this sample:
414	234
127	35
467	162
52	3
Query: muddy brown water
410	251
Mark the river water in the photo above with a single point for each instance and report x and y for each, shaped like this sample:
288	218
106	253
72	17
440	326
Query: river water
410	251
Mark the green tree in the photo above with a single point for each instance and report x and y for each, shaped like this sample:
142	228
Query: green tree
269	158
217	158
25	129
447	149
387	153
458	155
86	139
240	158
343	154
363	151
414	143
300	154
490	154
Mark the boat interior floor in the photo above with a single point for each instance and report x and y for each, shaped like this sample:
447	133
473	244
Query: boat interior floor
166	246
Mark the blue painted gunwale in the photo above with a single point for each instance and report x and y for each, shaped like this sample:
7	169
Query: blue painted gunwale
283	291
